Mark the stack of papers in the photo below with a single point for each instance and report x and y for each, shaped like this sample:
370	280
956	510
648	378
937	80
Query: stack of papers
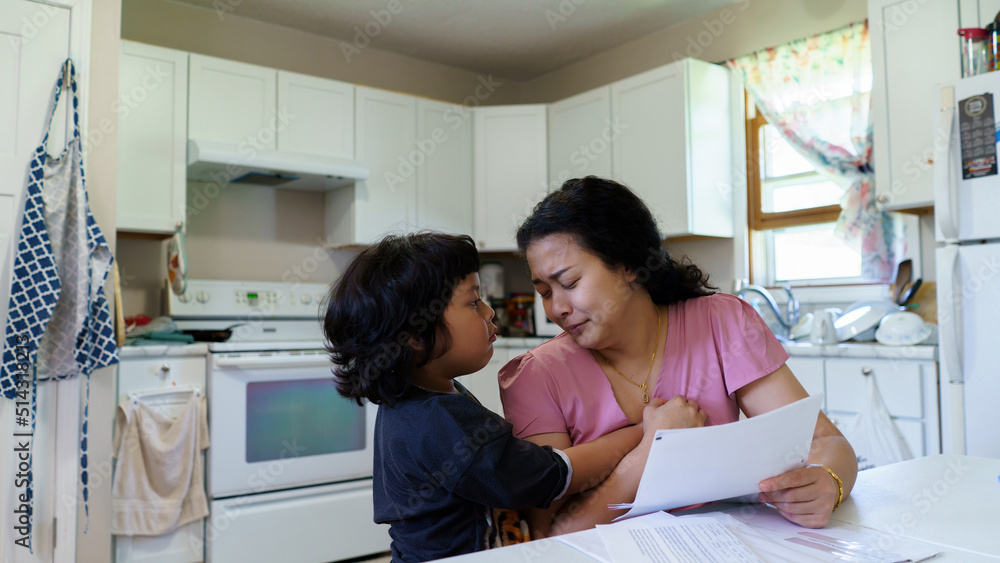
697	465
745	534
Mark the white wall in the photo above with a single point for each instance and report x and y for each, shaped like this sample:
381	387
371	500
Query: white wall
101	165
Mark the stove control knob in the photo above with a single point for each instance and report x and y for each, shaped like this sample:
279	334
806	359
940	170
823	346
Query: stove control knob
202	297
319	297
184	297
305	298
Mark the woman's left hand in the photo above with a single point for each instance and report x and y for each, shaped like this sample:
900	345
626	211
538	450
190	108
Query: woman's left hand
805	496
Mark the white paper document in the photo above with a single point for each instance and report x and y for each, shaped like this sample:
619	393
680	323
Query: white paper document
774	538
694	465
658	538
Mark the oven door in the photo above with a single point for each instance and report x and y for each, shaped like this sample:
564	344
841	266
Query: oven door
276	422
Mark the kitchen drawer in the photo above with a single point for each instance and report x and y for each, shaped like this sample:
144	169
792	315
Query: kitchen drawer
304	525
153	373
900	384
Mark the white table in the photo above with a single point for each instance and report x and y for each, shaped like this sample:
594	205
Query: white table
949	500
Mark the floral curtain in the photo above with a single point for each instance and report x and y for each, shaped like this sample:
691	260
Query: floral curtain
817	93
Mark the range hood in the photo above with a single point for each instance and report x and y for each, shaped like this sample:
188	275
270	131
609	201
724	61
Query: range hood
221	163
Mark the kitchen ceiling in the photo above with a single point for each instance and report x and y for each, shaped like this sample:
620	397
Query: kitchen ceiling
514	39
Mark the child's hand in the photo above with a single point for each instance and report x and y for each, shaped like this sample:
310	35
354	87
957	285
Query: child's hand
678	412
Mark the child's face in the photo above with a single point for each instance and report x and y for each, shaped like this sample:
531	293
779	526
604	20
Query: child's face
469	321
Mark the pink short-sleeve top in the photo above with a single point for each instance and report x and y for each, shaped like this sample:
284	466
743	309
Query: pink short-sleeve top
715	345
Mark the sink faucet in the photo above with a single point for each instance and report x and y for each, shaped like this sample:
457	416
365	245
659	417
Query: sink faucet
789	318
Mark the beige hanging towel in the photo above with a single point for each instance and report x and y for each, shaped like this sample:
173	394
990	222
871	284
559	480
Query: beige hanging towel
159	480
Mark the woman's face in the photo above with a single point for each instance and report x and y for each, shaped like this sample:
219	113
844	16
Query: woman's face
580	293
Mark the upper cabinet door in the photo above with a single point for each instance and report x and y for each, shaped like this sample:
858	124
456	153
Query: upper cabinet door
320	115
233	103
444	167
510	170
386	131
912	50
674	147
152	138
581	133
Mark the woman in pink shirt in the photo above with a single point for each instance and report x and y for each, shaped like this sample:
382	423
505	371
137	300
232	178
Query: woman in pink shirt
639	327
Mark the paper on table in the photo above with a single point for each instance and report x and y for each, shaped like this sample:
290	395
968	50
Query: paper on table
700	539
589	542
835	542
695	465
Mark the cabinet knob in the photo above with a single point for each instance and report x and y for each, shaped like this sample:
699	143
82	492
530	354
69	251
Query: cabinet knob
866	371
930	160
165	368
882	198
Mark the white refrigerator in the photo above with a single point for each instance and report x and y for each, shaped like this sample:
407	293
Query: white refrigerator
967	217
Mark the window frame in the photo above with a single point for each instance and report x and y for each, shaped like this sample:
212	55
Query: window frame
759	222
758	219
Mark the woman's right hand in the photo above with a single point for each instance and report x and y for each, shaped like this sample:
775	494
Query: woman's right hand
678	412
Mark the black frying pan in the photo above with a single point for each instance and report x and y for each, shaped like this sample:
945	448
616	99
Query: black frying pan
221	335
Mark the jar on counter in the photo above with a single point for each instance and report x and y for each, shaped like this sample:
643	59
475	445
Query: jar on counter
975	57
521	314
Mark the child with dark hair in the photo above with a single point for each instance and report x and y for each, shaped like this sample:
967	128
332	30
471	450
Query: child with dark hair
402	323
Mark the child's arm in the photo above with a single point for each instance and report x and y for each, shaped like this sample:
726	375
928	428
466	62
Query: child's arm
592	463
591	507
595	460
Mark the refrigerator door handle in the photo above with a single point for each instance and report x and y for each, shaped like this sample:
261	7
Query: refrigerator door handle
950	305
944	207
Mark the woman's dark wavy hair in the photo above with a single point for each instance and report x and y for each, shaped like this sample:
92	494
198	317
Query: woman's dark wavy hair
609	221
391	292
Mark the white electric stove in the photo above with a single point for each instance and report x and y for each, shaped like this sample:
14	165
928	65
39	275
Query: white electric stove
290	461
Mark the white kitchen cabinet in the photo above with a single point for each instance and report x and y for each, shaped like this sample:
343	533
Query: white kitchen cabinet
152	138
913	48
233	103
909	390
320	115
484	384
675	145
581	133
809	372
510	170
444	167
384	143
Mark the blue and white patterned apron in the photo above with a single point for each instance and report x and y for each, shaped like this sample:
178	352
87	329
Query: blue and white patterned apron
58	319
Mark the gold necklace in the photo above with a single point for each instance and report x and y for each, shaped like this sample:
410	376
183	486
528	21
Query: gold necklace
656	343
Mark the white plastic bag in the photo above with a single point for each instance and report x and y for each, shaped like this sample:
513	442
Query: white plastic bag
875	438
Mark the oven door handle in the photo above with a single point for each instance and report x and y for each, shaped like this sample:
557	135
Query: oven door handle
277	361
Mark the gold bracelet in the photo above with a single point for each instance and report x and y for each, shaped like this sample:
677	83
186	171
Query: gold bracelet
840	485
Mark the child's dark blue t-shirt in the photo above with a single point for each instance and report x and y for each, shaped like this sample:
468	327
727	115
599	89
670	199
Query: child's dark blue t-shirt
441	461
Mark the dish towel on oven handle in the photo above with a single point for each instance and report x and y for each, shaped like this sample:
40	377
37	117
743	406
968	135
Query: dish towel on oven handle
58	319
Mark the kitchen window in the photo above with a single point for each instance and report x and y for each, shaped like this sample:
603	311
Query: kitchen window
793	211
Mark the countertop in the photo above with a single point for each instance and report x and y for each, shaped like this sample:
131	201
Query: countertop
843	350
162	350
946	500
863	350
